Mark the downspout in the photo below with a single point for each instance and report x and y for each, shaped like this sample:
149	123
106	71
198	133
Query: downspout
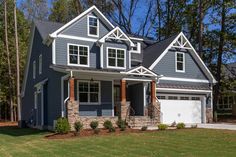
63	101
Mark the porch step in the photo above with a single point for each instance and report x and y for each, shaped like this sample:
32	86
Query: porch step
140	121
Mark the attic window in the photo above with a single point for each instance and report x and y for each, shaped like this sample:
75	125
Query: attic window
93	26
136	48
179	62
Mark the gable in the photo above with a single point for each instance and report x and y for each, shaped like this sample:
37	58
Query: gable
167	66
92	9
80	27
180	42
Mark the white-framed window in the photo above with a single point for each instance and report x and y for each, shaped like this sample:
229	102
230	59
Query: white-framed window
40	64
93	26
34	69
161	97
78	55
179	62
184	98
89	92
136	48
116	58
195	98
35	100
172	97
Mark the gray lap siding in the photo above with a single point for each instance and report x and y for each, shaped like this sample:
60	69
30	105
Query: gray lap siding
80	28
166	67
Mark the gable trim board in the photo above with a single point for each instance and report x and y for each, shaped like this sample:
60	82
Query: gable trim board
183	90
191	48
32	31
54	34
184	79
140	71
103	39
76	38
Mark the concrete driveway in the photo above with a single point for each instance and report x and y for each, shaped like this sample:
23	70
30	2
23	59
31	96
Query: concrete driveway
225	126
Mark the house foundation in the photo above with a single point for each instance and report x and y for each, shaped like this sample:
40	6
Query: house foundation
209	115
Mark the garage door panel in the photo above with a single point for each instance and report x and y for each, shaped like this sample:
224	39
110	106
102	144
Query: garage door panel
186	111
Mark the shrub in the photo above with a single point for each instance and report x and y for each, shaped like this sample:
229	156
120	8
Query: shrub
96	131
78	126
180	126
144	128
112	129
94	124
121	124
62	126
162	126
107	124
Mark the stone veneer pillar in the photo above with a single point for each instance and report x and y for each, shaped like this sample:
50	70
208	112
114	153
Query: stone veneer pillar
123	105
72	105
209	115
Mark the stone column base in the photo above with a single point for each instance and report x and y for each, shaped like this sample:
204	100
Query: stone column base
154	111
209	115
72	113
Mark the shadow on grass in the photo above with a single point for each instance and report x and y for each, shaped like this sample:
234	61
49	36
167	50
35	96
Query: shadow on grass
15	131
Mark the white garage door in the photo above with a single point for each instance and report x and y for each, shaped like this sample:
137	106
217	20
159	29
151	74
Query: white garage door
186	111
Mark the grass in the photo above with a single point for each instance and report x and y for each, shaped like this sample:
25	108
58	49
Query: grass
187	142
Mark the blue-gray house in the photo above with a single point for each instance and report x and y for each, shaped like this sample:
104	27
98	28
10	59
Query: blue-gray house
89	69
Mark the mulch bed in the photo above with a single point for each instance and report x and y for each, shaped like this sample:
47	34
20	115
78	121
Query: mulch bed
89	132
4	124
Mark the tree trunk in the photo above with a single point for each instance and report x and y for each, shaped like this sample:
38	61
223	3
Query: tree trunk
159	19
8	61
200	29
219	59
17	65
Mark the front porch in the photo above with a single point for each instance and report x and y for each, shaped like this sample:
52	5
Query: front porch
109	96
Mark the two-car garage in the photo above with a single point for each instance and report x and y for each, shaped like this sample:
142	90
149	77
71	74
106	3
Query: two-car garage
177	108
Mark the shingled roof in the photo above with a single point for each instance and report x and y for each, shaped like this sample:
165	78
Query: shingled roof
47	27
152	52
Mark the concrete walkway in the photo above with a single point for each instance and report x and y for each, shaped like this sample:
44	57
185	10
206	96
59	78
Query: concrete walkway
225	126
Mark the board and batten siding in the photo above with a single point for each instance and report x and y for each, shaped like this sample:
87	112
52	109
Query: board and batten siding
62	51
103	109
80	28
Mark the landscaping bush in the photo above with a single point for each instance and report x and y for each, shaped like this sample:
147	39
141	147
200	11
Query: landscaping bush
96	131
107	124
144	128
173	124
194	126
121	124
180	126
78	126
112	129
162	126
94	124
62	126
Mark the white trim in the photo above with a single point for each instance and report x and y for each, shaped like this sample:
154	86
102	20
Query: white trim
116	36
62	93
116	67
78	64
99	93
88	26
183	90
42	105
195	53
28	59
76	38
140	71
34	69
35	100
113	102
54	34
134	38
101	55
176	61
40	64
129	60
138	45
135	79
54	51
184	79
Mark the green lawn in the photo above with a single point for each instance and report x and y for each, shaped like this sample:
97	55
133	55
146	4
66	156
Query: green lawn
188	142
